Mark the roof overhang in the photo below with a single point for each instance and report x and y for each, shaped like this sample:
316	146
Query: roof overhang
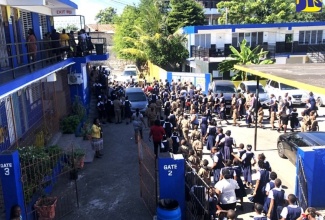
46	7
308	76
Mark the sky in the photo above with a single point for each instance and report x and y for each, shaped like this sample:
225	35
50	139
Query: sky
89	9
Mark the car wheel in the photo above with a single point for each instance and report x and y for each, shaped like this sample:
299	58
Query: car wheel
281	150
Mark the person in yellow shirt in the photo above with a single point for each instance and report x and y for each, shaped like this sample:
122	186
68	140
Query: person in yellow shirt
64	39
96	138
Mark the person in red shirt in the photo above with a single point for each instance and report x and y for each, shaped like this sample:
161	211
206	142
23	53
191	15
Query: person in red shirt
156	132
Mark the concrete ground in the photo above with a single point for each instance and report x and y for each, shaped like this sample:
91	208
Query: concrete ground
109	187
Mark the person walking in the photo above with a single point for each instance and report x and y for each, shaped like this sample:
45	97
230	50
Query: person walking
138	121
156	132
117	110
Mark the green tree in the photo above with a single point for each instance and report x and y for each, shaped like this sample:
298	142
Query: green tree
124	28
141	35
245	56
184	13
262	11
106	16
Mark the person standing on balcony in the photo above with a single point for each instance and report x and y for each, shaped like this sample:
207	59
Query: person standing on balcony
55	37
64	38
72	44
31	47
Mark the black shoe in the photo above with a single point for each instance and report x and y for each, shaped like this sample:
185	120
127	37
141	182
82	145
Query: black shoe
278	130
97	156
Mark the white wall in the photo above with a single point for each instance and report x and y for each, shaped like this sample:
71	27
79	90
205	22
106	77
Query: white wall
270	37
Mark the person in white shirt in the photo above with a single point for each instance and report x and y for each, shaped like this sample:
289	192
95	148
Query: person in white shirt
275	201
225	190
292	211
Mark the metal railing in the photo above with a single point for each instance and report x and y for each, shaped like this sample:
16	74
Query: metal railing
302	186
317	52
197	195
19	61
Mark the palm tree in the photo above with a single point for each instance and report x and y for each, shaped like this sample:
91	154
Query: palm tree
245	56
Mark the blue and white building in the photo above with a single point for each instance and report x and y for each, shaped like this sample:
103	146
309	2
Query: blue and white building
33	100
286	42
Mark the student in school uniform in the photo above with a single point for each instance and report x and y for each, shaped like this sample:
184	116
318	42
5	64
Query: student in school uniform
292	211
246	160
241	192
276	200
175	140
270	185
241	150
164	145
267	165
217	163
205	172
168	127
258	208
262	178
260	115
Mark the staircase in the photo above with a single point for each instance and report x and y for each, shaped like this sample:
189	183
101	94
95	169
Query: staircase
316	53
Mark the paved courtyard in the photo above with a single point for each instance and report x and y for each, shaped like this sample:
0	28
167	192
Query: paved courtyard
109	187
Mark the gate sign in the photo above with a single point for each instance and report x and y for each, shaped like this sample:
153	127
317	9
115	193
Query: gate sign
10	177
171	178
63	11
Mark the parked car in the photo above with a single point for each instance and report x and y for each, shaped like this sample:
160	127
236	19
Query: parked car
250	86
288	143
298	96
137	99
129	74
223	86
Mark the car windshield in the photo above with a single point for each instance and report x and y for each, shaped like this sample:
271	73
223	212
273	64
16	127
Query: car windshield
129	73
252	88
224	89
287	87
136	97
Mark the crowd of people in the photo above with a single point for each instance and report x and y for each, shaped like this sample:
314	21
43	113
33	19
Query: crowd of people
183	120
56	46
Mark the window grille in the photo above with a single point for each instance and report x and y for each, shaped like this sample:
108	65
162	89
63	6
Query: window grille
26	18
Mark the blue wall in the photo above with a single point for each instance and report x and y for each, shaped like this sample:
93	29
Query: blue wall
313	161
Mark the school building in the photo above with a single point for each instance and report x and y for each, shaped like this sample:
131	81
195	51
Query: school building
299	42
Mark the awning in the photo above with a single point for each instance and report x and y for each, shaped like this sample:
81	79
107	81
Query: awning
46	7
308	76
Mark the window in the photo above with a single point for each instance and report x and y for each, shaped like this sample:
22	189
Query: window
203	40
311	37
26	18
252	38
43	23
274	84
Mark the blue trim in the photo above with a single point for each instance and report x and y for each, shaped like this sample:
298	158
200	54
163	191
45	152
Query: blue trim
69	3
195	29
5	88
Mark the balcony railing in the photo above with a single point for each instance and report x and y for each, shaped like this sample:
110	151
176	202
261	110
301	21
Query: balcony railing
17	61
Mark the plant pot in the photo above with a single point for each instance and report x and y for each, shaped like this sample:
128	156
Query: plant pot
45	208
74	174
79	162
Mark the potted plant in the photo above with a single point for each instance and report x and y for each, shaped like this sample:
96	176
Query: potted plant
45	207
78	156
86	131
69	124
